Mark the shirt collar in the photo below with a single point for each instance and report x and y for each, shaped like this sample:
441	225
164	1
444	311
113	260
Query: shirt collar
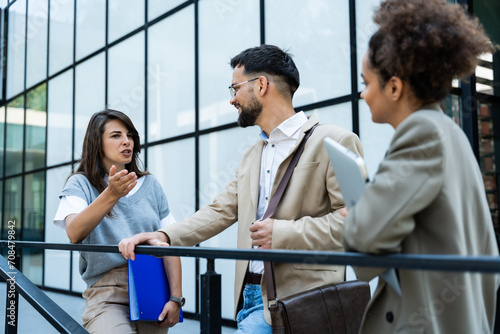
288	127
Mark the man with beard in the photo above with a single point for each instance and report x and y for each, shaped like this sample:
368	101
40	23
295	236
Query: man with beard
307	218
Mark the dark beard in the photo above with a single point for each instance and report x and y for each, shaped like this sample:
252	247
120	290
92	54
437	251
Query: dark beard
249	115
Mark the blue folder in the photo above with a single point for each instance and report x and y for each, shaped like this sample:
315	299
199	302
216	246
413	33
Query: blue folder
148	288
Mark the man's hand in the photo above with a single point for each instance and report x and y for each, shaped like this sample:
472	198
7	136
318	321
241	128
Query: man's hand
262	233
344	212
170	315
127	246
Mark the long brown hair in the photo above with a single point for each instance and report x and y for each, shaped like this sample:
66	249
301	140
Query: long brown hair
91	165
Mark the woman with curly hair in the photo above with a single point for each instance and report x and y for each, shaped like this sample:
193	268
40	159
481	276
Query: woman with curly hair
427	196
110	198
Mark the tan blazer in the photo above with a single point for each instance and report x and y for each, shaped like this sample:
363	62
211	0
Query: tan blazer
305	219
426	198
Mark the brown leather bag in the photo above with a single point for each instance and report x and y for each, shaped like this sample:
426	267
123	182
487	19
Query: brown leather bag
333	308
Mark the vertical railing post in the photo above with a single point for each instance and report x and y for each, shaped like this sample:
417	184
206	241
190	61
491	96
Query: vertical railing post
210	320
12	302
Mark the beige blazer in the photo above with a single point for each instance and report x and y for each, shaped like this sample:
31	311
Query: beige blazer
306	219
426	198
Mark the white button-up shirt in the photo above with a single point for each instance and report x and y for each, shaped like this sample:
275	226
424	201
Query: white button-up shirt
276	148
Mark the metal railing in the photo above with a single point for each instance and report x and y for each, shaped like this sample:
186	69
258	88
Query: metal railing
210	321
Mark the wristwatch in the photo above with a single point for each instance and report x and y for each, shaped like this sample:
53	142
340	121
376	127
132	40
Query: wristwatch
179	300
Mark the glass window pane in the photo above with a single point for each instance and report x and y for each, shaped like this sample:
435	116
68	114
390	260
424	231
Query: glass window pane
171	76
180	193
33	225
124	16
60	119
36	66
317	34
89	96
159	7
15	137
62	17
36	124
2	140
90	26
375	138
15	48
339	114
179	190
365	28
220	156
488	71
2	49
12	207
56	262
77	281
126	79
235	23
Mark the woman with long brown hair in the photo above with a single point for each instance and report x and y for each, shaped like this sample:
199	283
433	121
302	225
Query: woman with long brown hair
107	199
427	196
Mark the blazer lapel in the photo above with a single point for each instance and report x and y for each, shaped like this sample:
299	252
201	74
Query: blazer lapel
254	179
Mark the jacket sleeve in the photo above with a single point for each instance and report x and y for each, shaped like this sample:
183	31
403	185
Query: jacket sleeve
318	232
208	221
408	180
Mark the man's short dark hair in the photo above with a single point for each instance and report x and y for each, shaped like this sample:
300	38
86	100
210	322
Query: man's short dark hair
269	59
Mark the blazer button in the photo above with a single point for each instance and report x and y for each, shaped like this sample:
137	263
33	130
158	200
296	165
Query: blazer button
389	317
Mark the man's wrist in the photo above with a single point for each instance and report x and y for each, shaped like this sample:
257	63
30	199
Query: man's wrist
163	236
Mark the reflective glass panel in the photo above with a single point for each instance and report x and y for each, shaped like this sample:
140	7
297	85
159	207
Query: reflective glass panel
56	262
317	34
15	48
375	138
77	282
2	140
220	156
171	76
365	28
62	17
12	208
90	26
236	25
60	119
488	71
173	165
36	66
33	225
89	96
36	124
339	114
126	79
14	137
158	7
124	16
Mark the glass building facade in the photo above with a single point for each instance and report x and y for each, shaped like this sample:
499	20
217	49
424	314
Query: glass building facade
165	64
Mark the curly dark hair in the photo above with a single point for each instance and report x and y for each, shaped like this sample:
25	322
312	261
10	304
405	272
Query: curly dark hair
426	43
270	59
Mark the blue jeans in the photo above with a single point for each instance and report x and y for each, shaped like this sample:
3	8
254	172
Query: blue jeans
251	317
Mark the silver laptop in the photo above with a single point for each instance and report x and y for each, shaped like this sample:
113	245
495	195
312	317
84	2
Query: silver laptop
349	169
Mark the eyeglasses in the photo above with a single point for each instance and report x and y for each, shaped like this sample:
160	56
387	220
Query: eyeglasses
232	91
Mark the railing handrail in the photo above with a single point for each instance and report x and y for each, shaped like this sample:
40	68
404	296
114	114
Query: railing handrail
52	312
442	262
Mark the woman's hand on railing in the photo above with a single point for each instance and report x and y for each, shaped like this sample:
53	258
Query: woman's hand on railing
127	246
